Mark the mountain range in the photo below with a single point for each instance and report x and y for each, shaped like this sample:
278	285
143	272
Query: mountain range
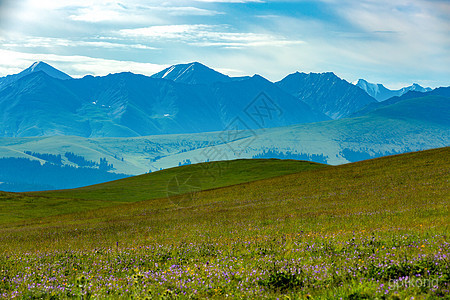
126	104
186	98
381	93
326	93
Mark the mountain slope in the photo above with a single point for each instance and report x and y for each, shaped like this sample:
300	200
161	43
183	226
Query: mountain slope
256	103
35	67
39	105
126	104
381	93
192	73
440	92
154	106
326	93
418	109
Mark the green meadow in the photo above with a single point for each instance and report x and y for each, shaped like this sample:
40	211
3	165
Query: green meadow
376	229
23	206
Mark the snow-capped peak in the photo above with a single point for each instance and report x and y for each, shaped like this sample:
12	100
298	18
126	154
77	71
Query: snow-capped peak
35	65
381	93
46	68
169	70
192	73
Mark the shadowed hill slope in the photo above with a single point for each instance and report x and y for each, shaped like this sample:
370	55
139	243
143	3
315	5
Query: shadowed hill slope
174	181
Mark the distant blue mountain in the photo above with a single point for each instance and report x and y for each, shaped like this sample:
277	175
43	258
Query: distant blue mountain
381	93
326	93
35	67
187	98
126	104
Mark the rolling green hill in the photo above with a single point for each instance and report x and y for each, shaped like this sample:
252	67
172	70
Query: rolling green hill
372	229
14	207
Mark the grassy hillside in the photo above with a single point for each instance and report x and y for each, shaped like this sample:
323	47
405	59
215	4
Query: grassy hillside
15	207
364	230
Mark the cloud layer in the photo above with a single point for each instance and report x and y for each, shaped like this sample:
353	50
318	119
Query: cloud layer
394	42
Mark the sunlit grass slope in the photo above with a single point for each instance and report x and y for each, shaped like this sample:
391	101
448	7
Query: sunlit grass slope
358	231
15	207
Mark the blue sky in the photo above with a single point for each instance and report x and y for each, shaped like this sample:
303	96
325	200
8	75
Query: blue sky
394	42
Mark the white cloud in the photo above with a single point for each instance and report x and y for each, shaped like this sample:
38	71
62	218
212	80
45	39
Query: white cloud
115	12
108	11
383	41
187	11
230	1
166	31
208	35
51	43
97	14
405	36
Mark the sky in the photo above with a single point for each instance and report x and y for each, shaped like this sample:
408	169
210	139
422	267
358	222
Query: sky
394	42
